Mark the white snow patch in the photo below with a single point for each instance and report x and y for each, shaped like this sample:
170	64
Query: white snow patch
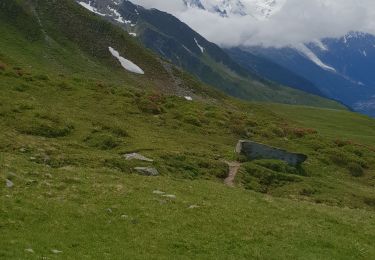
118	18
309	54
186	48
320	45
90	8
199	46
126	64
364	53
133	34
188	98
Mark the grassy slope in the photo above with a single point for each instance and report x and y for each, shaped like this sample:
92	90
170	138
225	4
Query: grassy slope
340	123
62	140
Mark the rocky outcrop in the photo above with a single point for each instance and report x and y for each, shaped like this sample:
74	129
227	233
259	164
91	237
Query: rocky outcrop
147	171
253	151
137	156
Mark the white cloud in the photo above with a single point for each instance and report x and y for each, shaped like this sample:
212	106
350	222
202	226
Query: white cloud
297	21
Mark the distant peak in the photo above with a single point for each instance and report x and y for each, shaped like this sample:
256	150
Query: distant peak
259	9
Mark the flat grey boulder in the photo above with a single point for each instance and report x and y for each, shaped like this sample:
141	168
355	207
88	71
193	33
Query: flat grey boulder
9	183
147	171
254	151
137	156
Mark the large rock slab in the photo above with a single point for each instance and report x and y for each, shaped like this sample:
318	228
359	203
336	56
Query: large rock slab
254	151
147	171
137	156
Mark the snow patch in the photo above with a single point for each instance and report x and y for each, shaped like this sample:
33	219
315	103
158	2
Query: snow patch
126	64
199	46
309	54
90	8
133	34
118	18
188	98
320	45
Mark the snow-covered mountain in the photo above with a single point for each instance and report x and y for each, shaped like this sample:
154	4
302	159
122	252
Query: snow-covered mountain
259	9
342	68
339	68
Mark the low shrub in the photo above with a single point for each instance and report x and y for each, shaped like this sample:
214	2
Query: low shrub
115	129
42	77
64	86
192	119
46	129
262	179
299	132
355	169
22	87
102	141
277	166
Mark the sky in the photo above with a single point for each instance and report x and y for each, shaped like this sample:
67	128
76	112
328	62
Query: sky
296	22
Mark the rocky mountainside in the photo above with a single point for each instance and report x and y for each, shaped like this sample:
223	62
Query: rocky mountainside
342	68
177	42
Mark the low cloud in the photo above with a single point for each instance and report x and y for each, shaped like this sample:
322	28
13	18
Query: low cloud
298	21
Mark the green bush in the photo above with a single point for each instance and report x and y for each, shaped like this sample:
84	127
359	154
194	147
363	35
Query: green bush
116	129
192	119
355	169
41	77
64	86
151	104
45	128
262	179
277	166
102	141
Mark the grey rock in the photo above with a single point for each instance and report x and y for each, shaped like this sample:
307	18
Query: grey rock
193	206
137	156
55	251
158	192
147	171
9	183
254	151
171	196
29	250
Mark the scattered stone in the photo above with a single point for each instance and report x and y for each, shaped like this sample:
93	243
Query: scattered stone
55	251
32	158
48	175
171	196
23	150
254	151
147	171
124	216
188	98
29	250
158	192
193	206
9	183
137	156
109	210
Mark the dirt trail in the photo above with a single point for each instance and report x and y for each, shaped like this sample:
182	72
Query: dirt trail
233	169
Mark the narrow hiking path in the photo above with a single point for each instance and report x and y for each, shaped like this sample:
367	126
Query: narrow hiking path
233	169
